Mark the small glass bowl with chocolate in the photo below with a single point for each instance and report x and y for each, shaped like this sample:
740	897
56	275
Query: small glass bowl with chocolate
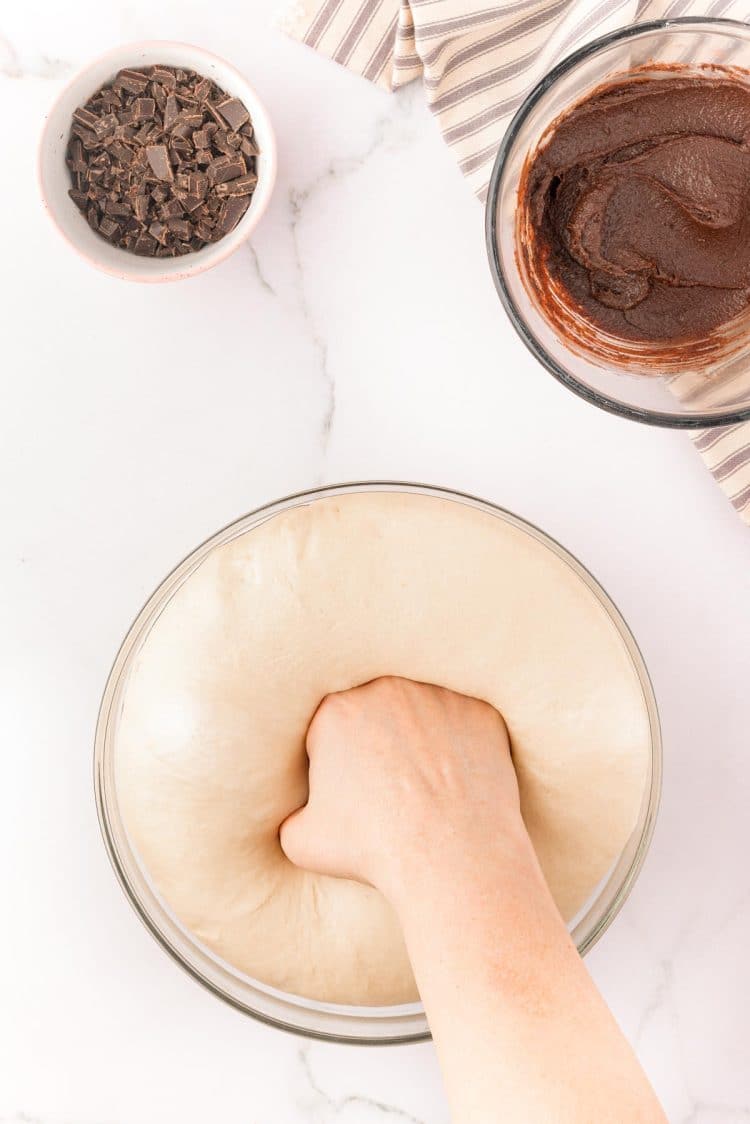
618	222
157	161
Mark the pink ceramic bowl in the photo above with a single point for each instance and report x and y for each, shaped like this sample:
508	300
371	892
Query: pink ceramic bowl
54	178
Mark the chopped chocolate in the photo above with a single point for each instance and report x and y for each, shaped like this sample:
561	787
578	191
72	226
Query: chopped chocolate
191	203
105	125
233	112
171	111
140	207
172	209
151	172
85	117
225	168
134	81
230	214
143	109
113	207
109	228
202	89
158	158
144	133
198	184
202	137
181	227
165	75
159	231
145	245
243	185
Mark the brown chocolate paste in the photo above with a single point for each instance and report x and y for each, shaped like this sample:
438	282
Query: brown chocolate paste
635	208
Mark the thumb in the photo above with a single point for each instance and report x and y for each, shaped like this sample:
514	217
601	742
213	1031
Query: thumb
293	834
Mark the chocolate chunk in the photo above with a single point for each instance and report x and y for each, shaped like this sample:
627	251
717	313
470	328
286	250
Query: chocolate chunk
158	158
172	209
205	230
225	168
76	162
231	213
160	96
85	117
105	126
145	133
114	207
109	228
141	206
233	112
144	109
171	112
181	227
203	89
243	185
158	231
191	203
164	75
121	152
134	81
191	118
145	245
202	137
198	184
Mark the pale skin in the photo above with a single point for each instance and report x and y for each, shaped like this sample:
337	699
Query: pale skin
412	790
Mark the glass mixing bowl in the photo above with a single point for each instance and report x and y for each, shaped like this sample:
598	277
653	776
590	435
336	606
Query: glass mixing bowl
713	395
369	1025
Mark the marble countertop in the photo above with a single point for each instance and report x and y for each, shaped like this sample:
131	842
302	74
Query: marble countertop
137	420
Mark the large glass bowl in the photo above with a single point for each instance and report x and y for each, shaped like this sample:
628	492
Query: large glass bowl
688	399
370	1025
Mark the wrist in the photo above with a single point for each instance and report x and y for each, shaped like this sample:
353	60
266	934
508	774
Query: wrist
446	861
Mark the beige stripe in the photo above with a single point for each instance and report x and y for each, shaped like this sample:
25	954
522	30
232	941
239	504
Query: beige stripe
500	39
321	22
732	463
676	8
502	108
710	437
471	163
357	28
380	56
742	499
483	82
603	11
464	23
480	121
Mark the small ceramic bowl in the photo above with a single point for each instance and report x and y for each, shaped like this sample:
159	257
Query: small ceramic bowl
54	177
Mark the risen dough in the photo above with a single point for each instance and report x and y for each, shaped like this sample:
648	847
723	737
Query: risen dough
210	752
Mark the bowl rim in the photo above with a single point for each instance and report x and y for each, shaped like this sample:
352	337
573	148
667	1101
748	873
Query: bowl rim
658	418
247	223
396	1032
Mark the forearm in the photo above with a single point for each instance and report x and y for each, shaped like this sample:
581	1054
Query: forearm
521	1032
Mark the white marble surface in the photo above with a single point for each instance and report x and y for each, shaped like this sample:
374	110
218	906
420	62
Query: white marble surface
135	421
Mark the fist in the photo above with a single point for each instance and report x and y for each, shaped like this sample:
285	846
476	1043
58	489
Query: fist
400	772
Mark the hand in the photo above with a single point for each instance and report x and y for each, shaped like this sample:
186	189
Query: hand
400	773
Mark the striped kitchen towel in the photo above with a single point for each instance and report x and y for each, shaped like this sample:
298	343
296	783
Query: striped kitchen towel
477	62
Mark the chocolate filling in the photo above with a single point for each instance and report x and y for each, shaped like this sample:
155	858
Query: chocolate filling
637	206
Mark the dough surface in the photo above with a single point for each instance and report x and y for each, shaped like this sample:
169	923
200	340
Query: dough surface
210	758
